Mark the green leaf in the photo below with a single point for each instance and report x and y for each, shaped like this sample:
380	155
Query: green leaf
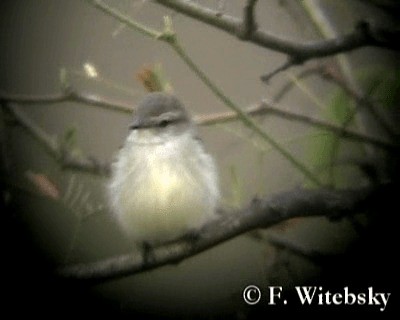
69	142
323	147
340	109
379	84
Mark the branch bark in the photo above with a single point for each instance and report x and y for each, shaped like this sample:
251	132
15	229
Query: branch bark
260	213
249	24
362	36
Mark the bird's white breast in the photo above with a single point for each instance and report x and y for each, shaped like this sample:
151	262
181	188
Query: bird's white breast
162	190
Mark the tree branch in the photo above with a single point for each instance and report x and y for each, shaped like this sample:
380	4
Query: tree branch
249	24
303	74
67	95
330	73
292	61
361	36
91	165
242	116
260	213
265	108
63	156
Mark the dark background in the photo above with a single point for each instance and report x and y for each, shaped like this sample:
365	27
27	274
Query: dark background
38	38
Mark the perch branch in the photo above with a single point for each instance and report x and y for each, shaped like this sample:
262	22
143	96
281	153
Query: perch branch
260	213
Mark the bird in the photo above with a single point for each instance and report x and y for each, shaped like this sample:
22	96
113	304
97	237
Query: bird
164	185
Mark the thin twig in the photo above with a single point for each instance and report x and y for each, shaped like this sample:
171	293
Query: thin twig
290	84
263	108
258	214
63	156
306	50
49	142
67	96
249	24
288	64
269	108
329	73
125	19
327	29
246	119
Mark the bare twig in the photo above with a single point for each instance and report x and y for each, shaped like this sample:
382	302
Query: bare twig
258	214
328	30
67	95
63	156
292	61
360	37
316	69
249	24
49	142
260	109
266	107
330	73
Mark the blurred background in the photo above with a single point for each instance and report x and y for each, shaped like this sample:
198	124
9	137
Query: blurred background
57	216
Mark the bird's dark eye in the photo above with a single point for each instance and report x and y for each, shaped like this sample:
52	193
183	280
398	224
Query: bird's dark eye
164	123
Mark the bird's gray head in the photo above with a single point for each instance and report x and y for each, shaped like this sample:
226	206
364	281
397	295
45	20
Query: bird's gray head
161	113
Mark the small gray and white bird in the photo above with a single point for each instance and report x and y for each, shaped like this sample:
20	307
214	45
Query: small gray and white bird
164	185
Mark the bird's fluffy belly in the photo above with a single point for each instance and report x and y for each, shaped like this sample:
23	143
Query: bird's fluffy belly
167	199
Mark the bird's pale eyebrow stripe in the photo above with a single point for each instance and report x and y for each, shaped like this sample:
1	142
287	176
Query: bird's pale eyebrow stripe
168	116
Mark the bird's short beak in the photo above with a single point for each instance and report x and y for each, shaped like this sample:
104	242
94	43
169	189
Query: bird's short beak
135	124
